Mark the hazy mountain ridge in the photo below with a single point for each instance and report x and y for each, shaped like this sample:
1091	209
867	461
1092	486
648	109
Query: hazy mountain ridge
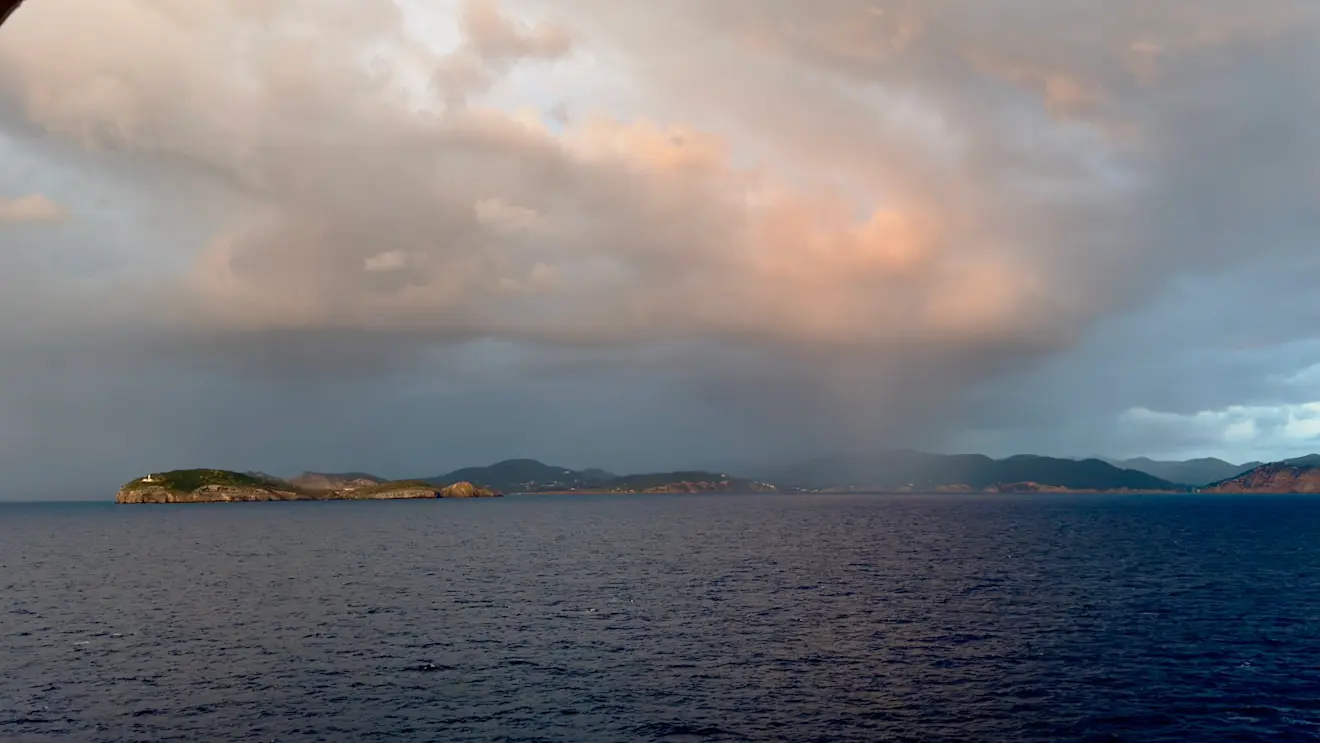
532	476
902	470
1206	471
906	470
1191	472
524	476
335	480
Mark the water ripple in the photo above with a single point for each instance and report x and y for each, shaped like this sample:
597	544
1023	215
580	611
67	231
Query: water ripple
702	618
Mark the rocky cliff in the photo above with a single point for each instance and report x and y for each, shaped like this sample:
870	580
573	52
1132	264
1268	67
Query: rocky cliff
222	486
1280	477
466	490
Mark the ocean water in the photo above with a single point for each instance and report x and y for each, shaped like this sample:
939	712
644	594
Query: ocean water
664	618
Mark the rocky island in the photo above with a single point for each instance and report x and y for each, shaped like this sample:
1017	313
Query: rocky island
1300	476
223	486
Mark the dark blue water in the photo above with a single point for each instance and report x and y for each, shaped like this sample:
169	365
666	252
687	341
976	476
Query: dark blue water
703	618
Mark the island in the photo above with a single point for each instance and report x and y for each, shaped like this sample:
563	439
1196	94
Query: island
1296	476
224	486
897	471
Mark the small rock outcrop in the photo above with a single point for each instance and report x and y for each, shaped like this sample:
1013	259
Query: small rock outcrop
467	490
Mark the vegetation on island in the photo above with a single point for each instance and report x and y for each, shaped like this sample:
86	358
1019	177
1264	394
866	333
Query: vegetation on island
186	481
1291	476
221	486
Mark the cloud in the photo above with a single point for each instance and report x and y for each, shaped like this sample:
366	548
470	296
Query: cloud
855	220
493	43
630	213
32	208
390	260
1267	432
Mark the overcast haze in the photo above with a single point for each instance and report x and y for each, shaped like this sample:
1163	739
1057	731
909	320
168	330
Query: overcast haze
406	237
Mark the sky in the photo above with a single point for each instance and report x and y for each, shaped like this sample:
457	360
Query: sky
409	236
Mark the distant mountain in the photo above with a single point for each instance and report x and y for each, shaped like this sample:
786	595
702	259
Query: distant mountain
525	476
902	470
335	480
1301	475
531	476
913	471
1192	472
685	482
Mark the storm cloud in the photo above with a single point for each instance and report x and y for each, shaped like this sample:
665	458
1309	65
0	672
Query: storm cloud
412	235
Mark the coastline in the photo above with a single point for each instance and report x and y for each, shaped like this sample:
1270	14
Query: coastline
222	486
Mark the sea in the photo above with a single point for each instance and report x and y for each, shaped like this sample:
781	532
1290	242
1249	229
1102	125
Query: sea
671	618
